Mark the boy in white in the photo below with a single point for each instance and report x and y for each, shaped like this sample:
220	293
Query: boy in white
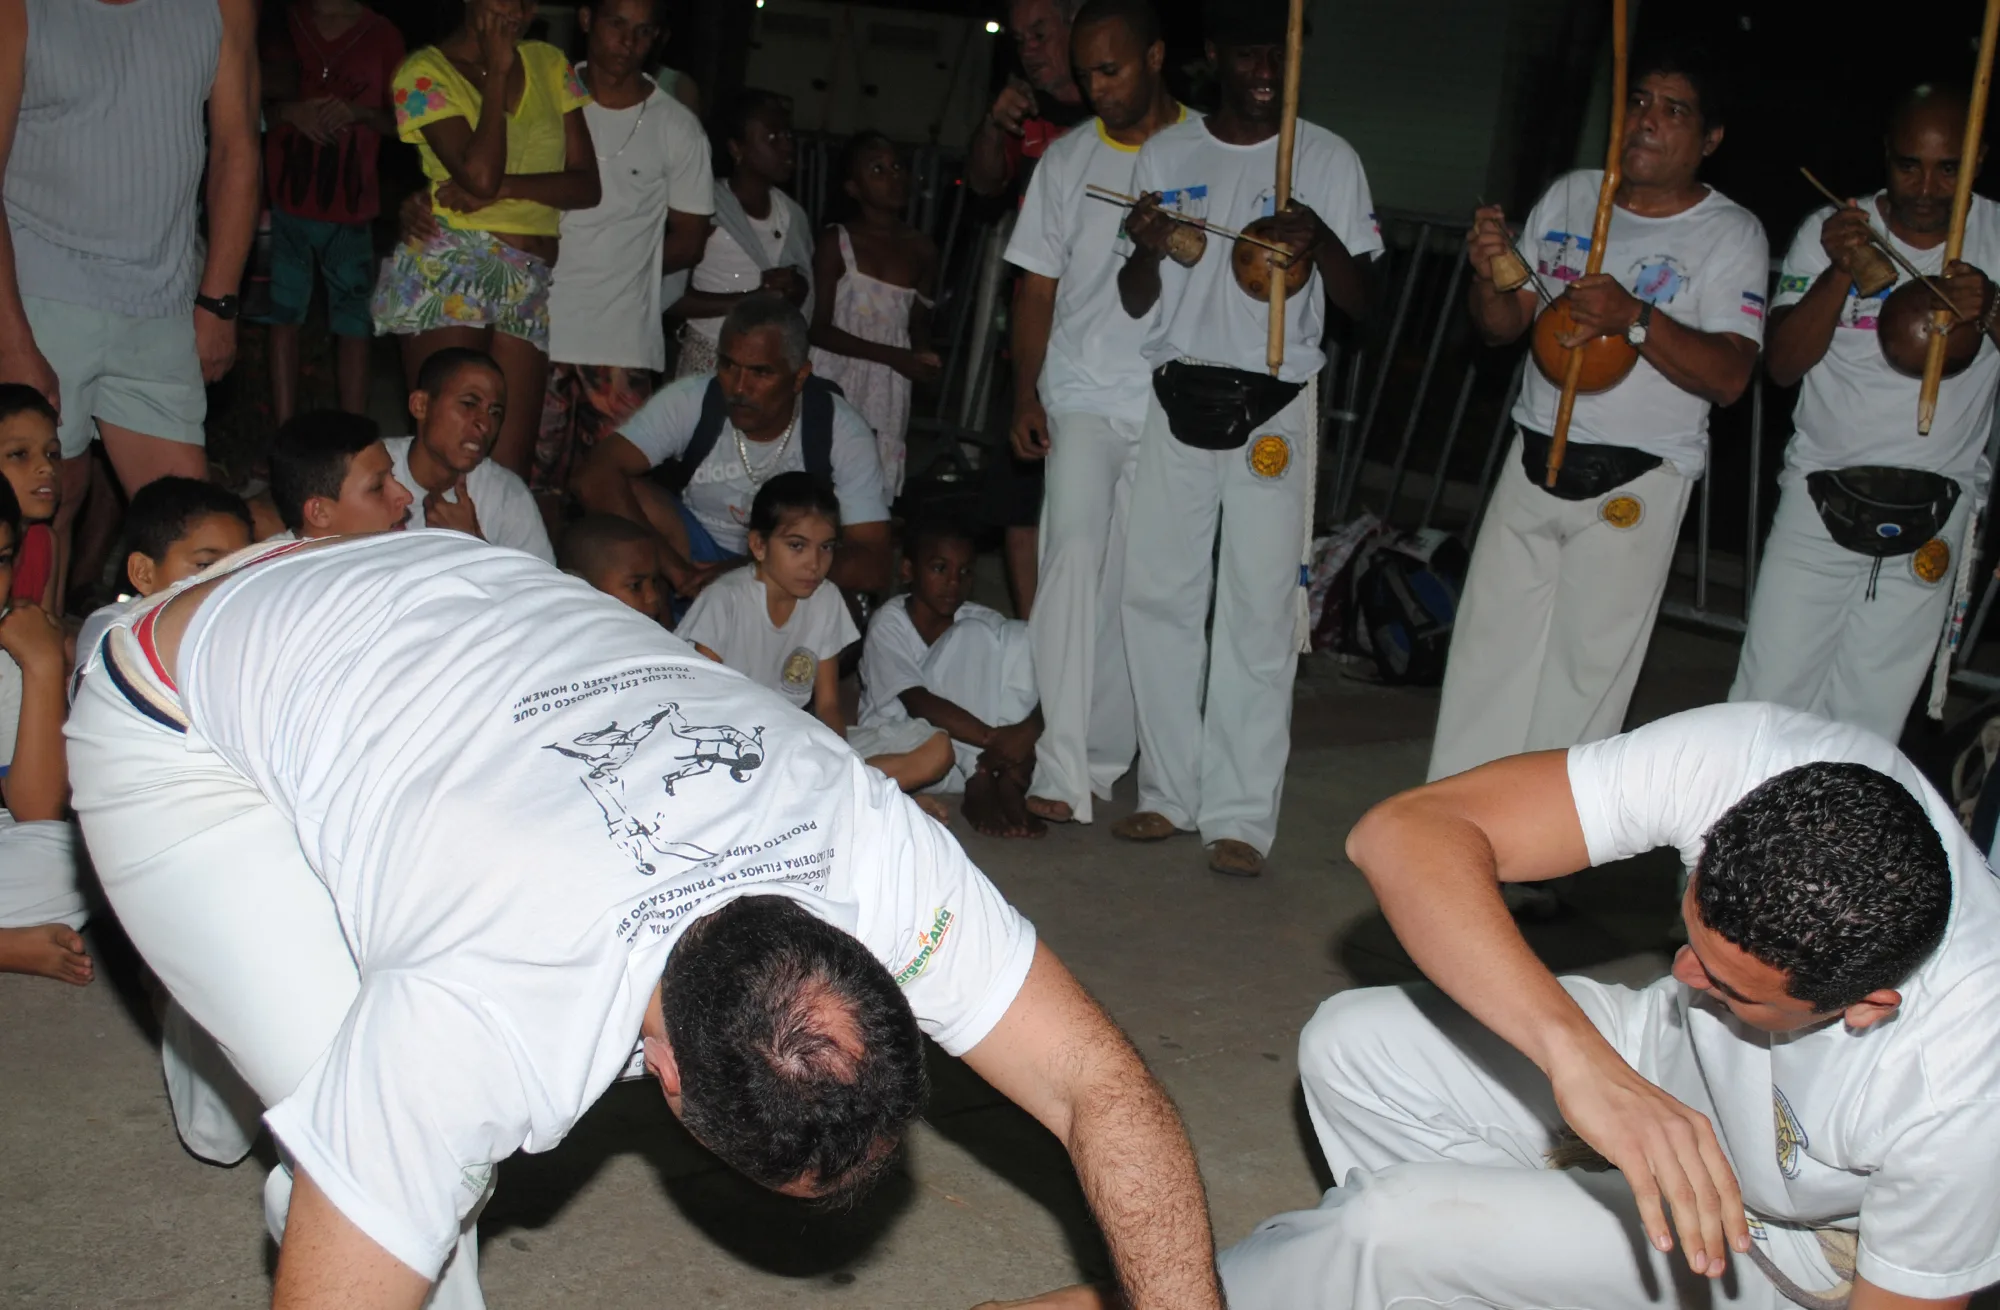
1221	769
421	873
1566	581
1081	387
447	467
1810	1089
1846	634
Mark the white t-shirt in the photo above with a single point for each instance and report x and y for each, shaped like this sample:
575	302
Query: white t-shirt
604	304
724	266
1891	1130
892	658
1203	315
10	711
1065	232
1853	408
508	515
1706	267
720	492
89	636
732	617
519	793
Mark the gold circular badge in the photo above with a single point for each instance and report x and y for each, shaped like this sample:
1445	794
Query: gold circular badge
1270	455
1932	561
1622	511
800	668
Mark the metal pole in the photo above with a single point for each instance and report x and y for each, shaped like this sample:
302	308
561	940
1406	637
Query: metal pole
1343	486
1444	319
1450	440
1751	540
1701	547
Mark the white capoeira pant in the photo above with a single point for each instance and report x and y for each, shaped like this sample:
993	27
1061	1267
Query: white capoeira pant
986	669
208	880
38	874
1557	613
1437	1131
1213	757
1831	634
1090	730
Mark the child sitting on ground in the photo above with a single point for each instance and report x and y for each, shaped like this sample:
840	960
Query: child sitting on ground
31	461
619	558
174	528
459	405
783	625
871	322
331	476
40	906
934	656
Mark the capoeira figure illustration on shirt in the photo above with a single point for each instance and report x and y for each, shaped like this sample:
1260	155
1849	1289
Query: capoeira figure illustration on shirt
607	751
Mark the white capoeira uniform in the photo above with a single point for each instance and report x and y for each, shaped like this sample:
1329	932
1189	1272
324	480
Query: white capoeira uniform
1217	763
1561	596
1829	632
1094	386
984	664
413	825
1437	1129
508	515
37	859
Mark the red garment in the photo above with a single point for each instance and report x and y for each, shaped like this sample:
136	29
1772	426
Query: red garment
33	563
337	182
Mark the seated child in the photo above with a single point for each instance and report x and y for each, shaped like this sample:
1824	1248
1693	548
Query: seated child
31	461
40	906
782	624
619	558
331	476
174	528
932	655
459	403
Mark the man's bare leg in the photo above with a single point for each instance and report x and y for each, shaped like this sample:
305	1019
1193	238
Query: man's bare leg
350	372
284	363
1022	546
47	950
527	372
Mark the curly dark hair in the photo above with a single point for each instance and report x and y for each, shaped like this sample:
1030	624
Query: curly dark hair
1831	872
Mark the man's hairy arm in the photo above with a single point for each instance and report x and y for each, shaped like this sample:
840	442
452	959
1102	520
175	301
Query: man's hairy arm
326	1263
1867	1296
20	359
1059	1057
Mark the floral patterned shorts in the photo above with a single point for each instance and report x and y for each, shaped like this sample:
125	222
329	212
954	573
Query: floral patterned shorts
463	278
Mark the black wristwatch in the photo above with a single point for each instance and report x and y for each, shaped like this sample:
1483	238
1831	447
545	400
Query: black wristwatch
223	307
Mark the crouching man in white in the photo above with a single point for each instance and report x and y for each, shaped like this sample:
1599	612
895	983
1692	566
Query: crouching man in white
1812	1088
438	842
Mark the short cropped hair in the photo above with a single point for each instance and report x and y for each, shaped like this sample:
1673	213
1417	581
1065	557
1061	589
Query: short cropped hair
20	398
732	116
310	455
768	309
1831	872
165	509
1695	62
935	529
441	366
765	1083
586	542
789	494
1139	17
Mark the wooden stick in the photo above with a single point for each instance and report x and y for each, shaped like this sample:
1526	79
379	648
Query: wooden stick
1288	130
1961	201
1191	221
1901	260
1600	231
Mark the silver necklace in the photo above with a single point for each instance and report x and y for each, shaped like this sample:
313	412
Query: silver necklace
757	474
637	123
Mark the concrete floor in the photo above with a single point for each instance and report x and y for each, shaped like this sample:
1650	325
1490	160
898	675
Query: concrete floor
100	1206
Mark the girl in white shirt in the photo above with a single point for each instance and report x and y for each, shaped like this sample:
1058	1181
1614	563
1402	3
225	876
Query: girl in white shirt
781	624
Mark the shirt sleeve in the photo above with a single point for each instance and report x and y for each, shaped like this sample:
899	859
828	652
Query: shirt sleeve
1663	784
690	177
833	626
1344	203
1039	243
1930	1216
888	666
1732	298
1804	262
857	470
10	707
567	87
707	620
418	90
403	1118
520	522
663	425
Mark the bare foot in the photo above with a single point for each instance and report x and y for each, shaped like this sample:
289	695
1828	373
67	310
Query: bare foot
995	806
1054	811
48	950
1014	804
934	807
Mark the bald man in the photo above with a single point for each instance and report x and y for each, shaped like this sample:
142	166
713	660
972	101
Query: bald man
1873	520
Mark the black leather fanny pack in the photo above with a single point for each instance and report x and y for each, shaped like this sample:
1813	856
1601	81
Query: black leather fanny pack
1589	470
1213	407
1879	510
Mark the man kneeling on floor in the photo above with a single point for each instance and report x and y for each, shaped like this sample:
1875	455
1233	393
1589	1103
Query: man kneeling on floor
1811	1093
438	842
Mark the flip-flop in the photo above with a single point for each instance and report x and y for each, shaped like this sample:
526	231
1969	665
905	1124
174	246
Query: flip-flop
1146	825
1235	858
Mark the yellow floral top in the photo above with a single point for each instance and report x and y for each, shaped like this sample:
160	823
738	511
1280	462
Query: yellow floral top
428	89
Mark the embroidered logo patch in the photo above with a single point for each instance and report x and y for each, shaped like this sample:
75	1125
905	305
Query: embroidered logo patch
928	944
1931	562
1269	456
800	669
1622	511
1792	1138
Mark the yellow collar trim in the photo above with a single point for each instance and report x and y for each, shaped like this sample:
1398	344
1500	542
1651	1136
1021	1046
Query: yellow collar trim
1120	146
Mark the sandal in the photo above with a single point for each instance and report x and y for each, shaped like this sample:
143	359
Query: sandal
1146	825
1235	858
